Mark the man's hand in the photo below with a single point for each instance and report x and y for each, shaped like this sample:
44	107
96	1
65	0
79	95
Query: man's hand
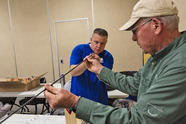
93	63
81	68
59	98
95	56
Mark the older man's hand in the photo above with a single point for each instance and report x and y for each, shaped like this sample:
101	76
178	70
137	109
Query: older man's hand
59	98
93	64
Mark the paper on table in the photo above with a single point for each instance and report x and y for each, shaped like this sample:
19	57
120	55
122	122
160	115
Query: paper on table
45	119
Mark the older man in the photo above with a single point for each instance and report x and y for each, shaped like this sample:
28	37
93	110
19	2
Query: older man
159	84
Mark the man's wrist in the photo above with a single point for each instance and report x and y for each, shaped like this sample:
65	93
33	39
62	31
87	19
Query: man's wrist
99	71
74	108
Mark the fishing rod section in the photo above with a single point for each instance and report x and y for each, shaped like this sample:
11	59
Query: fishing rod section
42	91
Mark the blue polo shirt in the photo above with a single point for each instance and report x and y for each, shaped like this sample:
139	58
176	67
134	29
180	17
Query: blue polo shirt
87	84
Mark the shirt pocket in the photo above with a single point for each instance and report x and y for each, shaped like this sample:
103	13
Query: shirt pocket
152	111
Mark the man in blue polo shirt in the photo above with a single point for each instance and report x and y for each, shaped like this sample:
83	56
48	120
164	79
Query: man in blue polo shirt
85	83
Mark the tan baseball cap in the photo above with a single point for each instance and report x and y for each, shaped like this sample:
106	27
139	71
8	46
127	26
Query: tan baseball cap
150	8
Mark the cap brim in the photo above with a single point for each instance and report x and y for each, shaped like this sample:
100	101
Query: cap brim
129	24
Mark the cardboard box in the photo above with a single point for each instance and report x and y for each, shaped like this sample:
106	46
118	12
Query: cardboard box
19	84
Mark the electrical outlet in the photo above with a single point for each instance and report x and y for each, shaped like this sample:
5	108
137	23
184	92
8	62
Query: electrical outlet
61	61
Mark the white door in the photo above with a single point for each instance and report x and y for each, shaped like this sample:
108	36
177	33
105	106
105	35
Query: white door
68	34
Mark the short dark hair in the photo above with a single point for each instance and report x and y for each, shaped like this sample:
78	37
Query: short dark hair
101	32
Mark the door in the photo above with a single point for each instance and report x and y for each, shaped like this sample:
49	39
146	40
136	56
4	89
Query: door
68	34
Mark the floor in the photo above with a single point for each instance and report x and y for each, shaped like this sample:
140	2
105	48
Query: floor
32	109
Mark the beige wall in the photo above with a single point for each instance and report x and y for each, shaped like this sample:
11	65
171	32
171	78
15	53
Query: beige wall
6	49
112	15
180	5
34	36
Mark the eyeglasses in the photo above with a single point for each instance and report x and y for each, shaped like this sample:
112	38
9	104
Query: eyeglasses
134	29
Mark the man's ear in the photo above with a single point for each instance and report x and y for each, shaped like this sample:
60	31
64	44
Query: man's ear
157	25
